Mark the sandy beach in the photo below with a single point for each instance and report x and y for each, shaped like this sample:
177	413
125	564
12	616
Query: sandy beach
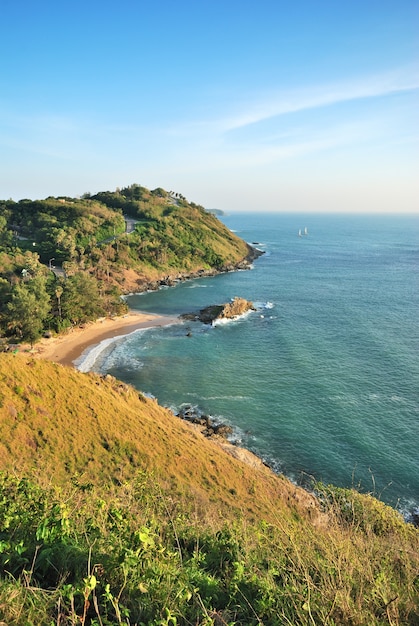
66	348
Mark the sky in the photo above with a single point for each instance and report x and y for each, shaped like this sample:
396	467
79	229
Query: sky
239	105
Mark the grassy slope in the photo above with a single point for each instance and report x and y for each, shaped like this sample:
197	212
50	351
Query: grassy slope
186	241
178	526
64	423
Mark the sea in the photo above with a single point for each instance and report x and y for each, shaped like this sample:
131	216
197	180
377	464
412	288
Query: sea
322	380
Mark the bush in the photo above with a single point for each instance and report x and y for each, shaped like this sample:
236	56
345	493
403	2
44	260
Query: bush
133	558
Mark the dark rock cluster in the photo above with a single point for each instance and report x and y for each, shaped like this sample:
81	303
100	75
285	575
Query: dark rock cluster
208	427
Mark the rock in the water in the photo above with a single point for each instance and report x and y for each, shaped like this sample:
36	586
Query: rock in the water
230	310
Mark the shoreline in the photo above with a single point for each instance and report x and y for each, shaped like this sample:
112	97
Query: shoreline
67	348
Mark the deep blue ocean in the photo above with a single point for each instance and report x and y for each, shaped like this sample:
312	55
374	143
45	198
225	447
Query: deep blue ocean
322	380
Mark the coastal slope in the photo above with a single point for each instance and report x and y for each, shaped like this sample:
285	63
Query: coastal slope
111	506
59	423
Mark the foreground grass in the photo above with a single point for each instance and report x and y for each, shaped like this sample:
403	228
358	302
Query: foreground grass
70	556
112	511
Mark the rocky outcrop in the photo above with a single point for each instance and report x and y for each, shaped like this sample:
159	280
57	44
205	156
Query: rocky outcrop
207	426
235	308
253	254
230	310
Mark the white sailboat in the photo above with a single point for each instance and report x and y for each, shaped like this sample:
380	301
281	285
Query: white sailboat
299	233
305	231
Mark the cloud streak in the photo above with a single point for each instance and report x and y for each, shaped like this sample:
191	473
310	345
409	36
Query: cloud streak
303	99
257	135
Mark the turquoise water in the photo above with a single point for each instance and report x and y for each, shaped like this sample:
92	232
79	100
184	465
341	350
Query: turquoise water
322	380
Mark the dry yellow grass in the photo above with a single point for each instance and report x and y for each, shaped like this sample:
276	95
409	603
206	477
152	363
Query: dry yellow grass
64	425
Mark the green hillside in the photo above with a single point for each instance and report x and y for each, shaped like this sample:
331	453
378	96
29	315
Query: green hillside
64	261
113	511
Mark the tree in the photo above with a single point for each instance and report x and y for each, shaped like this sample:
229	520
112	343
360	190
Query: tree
27	310
58	293
5	234
32	264
80	300
5	293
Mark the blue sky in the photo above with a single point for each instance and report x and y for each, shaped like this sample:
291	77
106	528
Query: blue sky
245	105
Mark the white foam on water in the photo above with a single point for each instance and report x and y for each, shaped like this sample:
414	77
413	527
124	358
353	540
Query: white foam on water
87	361
263	305
223	321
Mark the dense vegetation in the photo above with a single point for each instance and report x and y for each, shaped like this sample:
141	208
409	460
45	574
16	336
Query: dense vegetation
113	511
64	261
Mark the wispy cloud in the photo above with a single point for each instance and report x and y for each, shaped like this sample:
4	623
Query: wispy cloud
48	134
285	147
316	96
259	133
255	110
